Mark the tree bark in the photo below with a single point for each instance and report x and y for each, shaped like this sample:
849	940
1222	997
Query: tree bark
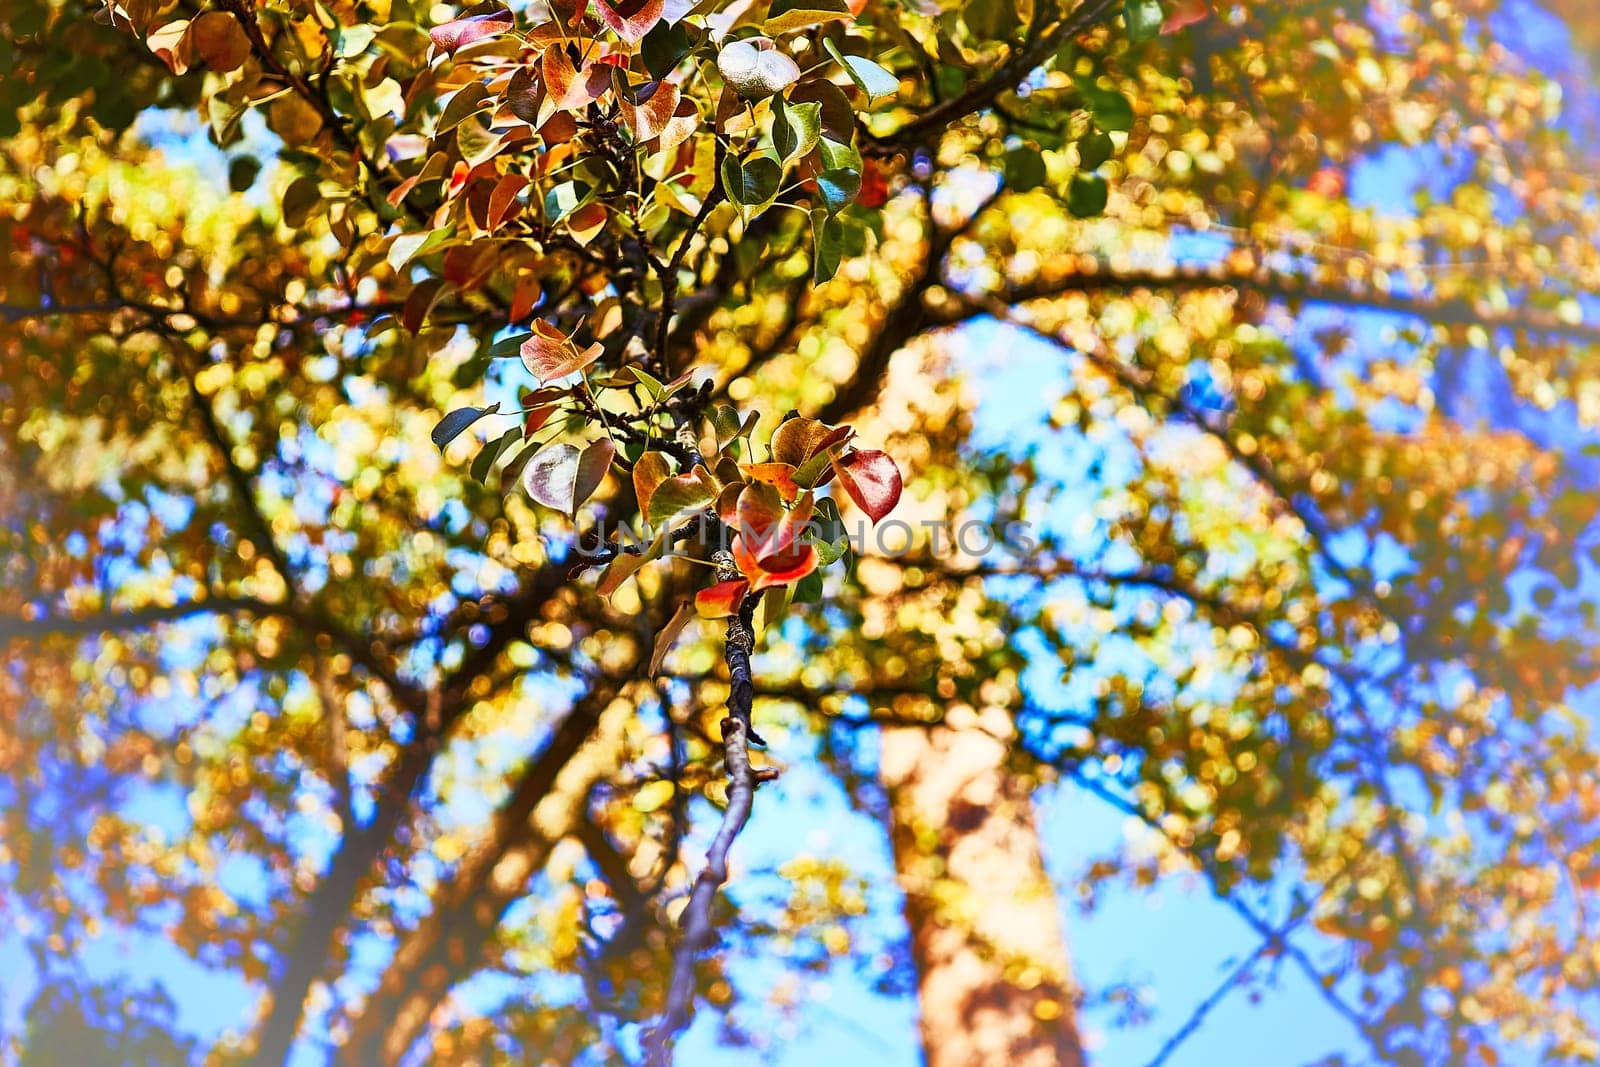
993	982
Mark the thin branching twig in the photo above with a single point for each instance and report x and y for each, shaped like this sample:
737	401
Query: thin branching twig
698	932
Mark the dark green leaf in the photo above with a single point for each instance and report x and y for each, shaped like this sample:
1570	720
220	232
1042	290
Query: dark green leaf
993	20
508	347
664	47
1111	110
1024	169
828	245
795	128
808	590
484	462
752	182
565	198
1086	195
1094	148
450	427
838	188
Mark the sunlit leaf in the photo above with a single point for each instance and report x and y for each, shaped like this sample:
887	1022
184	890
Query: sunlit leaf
551	355
870	78
786	16
872	480
458	33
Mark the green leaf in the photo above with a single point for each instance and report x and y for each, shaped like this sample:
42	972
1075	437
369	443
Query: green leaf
352	40
1143	17
507	347
752	182
1111	110
838	188
450	427
868	76
786	16
565	198
795	128
224	116
994	20
409	246
808	590
828	245
484	462
1086	195
664	47
468	101
840	155
1094	148
302	195
1024	169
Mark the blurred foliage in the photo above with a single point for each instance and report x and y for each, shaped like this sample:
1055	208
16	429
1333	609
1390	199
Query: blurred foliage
1311	593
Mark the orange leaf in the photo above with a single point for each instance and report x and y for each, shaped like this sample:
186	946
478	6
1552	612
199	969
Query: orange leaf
550	355
220	40
504	198
778	570
780	475
649	472
720	600
1184	13
797	440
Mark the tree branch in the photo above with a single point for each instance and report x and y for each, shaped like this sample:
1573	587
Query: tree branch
135	618
1022	62
698	932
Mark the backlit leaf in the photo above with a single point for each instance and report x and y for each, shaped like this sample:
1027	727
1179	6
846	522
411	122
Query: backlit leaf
872	480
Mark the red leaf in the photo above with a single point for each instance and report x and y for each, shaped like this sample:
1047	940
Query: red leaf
720	600
874	188
458	33
1185	13
631	19
872	480
773	545
759	510
398	193
550	355
172	44
777	570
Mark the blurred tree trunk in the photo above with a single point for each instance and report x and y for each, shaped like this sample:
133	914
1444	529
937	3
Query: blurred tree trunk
993	981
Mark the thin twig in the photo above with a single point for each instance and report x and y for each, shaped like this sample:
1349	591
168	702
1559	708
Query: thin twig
698	932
